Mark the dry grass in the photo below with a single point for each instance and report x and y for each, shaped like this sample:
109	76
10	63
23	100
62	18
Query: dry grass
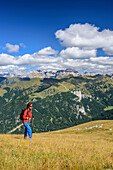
74	148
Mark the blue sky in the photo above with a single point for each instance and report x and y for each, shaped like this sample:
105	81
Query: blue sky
60	34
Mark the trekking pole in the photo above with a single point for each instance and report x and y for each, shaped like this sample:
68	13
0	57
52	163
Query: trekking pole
32	125
15	128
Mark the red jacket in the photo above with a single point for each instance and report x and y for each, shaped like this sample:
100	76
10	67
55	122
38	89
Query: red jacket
27	116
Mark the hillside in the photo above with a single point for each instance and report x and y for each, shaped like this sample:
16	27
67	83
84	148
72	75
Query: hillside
86	146
57	103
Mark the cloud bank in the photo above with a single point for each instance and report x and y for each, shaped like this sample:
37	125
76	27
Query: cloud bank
80	52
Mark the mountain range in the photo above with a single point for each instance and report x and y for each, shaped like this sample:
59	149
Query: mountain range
51	74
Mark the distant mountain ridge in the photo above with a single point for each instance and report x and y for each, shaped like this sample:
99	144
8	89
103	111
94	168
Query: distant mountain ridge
52	74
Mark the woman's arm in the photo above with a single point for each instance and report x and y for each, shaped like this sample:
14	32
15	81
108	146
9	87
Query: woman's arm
25	116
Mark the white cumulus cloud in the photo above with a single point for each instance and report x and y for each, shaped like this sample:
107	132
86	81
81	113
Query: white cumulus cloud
86	36
108	50
47	51
44	56
87	65
41	57
12	67
6	59
18	70
12	48
102	60
75	52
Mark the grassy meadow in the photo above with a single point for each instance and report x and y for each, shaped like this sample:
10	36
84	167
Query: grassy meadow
84	147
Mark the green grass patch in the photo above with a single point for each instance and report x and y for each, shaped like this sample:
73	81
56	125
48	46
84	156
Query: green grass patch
108	108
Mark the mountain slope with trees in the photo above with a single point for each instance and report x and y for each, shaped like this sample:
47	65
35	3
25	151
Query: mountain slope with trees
56	103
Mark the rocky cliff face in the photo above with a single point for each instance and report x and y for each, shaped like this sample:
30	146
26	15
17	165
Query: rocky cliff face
53	74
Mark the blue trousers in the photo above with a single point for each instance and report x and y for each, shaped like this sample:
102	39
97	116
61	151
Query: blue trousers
27	130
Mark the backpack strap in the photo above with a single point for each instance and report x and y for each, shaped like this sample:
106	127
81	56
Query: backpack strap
27	112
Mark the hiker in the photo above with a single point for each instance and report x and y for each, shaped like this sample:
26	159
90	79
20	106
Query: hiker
26	120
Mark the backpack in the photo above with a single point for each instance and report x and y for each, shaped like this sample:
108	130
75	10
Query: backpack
21	114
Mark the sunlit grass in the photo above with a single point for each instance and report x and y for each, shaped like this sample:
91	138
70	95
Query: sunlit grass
62	87
2	91
108	108
74	148
24	84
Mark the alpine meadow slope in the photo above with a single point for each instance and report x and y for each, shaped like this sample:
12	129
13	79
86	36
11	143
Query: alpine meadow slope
57	103
86	146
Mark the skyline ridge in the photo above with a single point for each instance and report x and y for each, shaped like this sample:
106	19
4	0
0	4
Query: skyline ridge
53	74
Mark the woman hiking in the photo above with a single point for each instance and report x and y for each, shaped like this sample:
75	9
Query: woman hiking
26	120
